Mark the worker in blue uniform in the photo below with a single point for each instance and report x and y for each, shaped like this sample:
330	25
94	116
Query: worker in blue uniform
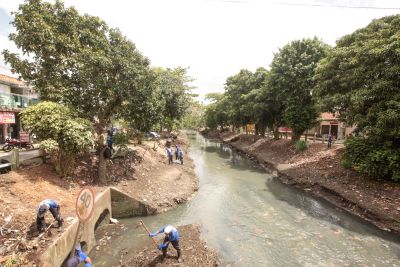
171	236
78	257
44	206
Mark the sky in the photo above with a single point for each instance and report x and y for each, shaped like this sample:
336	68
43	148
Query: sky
215	39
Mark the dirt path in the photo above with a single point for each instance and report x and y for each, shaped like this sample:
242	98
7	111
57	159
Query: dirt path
149	179
194	252
158	184
318	171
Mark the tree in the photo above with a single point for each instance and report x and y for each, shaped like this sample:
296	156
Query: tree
172	85
62	132
292	80
78	61
217	112
194	116
255	104
359	79
235	87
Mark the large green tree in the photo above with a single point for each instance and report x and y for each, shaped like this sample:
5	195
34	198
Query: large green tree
237	86
217	112
256	106
77	60
360	80
292	79
174	90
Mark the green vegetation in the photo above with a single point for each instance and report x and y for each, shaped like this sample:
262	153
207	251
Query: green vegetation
292	73
357	79
301	145
63	134
80	62
379	160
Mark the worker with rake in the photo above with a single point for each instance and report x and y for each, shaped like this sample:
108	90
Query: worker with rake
171	236
44	206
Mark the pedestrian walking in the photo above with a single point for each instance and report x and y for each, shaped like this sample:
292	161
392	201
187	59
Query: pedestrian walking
180	156
110	139
171	236
79	257
169	154
330	139
44	206
177	148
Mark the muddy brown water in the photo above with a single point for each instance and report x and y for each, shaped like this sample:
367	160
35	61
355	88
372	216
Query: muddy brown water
252	219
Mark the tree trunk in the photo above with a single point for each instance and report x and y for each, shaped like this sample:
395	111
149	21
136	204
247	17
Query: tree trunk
262	130
102	170
295	137
276	132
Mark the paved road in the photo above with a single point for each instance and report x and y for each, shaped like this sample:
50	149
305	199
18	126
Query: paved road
23	154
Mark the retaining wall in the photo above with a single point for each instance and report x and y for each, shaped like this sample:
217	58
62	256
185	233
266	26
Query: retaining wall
110	202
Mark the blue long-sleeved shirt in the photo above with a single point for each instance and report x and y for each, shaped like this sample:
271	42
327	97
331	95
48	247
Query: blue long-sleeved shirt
51	203
173	236
78	258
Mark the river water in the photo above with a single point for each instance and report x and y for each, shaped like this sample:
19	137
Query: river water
252	219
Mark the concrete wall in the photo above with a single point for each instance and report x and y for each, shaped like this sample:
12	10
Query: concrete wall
123	206
112	200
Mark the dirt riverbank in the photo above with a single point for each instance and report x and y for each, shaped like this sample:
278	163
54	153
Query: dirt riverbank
194	252
144	174
319	172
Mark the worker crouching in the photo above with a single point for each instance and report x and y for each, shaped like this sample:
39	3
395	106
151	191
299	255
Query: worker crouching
44	206
171	236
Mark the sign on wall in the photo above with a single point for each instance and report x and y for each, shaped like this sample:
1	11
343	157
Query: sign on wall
84	204
7	117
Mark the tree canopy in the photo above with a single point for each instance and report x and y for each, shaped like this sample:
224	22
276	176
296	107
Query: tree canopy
360	79
292	79
174	92
77	60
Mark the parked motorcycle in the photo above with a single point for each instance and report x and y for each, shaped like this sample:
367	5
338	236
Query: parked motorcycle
11	143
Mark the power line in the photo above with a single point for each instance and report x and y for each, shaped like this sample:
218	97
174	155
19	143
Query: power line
338	6
306	4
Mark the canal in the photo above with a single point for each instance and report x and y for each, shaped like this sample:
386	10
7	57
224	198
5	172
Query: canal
252	219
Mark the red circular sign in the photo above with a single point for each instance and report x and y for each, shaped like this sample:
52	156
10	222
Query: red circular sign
84	204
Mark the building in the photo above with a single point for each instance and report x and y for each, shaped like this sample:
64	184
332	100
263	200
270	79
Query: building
15	95
330	124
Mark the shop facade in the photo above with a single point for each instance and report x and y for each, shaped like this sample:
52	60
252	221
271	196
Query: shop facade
15	96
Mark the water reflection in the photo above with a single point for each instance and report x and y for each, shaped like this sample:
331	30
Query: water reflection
321	209
252	219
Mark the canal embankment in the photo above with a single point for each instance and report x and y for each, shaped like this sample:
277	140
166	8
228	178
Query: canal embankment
318	171
195	252
143	175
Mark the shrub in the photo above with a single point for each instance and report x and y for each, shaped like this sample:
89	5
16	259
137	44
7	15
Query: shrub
378	160
121	140
301	145
62	133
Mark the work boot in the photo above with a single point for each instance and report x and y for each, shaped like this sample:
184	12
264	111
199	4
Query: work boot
60	222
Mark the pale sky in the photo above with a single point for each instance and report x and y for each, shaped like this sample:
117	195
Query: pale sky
217	38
